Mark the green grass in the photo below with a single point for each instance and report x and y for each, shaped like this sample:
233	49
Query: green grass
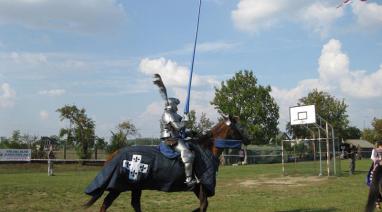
26	187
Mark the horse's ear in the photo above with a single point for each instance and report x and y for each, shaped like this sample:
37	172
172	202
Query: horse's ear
234	119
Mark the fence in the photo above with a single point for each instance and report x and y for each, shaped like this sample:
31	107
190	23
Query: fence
296	159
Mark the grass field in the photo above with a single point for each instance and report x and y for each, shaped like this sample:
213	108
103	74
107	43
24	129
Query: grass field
26	187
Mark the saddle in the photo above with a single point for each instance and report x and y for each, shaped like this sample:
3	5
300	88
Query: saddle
171	141
166	147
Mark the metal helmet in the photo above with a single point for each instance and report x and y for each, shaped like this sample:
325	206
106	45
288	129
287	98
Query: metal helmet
172	104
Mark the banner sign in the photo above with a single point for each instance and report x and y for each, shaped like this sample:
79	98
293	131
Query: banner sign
15	154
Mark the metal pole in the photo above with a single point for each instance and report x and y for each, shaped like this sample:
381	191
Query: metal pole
327	148
295	158
314	147
319	149
282	156
334	152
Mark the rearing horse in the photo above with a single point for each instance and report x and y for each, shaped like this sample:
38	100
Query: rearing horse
145	168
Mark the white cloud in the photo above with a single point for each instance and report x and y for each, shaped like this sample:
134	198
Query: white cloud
202	47
334	69
34	63
320	17
253	15
44	115
172	73
52	92
7	96
154	109
215	46
288	98
335	77
333	63
69	15
368	14
28	58
362	85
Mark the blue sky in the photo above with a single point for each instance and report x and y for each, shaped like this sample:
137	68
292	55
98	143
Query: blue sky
101	55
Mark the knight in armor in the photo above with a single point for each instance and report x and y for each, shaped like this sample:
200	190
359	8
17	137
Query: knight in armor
172	127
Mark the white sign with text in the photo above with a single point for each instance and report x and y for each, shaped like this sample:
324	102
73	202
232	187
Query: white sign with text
15	154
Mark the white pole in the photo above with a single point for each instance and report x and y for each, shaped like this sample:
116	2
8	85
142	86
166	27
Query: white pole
334	152
282	156
327	148
319	150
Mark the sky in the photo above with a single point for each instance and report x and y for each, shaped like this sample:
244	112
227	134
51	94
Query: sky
101	55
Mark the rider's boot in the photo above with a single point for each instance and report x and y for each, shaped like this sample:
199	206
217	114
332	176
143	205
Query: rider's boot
188	171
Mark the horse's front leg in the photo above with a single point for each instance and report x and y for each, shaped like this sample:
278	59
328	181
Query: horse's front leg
109	200
202	196
136	199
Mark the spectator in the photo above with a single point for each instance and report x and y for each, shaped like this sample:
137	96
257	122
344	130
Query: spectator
352	157
241	156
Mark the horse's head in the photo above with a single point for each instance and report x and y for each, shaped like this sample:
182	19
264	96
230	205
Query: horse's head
228	128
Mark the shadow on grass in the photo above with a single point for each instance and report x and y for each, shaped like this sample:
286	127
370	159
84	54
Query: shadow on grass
312	210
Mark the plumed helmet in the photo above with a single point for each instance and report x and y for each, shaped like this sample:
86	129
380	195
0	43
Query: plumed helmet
173	104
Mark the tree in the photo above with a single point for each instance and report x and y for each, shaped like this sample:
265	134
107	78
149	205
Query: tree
351	133
100	143
329	108
204	124
191	123
119	139
198	126
82	129
242	96
375	134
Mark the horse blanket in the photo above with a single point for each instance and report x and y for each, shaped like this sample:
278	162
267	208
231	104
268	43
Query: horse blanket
146	168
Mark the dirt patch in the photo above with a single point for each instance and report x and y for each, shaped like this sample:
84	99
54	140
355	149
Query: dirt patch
282	181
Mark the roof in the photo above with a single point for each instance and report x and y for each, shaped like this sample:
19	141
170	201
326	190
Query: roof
360	142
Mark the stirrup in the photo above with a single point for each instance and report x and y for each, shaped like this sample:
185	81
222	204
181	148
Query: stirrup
190	182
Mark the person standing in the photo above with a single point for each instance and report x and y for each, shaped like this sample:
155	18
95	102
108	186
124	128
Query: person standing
352	157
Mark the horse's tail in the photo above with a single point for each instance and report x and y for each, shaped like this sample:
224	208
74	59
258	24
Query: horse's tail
374	191
97	193
94	198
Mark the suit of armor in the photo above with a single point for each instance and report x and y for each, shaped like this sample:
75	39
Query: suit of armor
171	127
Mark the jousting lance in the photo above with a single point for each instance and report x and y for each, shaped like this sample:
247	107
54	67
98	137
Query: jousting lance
187	105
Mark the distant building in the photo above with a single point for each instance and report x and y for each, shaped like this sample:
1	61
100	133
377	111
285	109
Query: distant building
366	146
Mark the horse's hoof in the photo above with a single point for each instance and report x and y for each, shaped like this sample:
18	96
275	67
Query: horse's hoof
377	206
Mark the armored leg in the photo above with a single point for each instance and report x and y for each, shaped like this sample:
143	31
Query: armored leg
187	158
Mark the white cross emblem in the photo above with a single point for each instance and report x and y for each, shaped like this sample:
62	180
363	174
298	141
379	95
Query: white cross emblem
135	166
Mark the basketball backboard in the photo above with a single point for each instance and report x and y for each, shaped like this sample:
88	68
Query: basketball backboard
305	114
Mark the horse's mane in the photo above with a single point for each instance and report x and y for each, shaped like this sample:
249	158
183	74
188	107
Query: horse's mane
220	129
111	156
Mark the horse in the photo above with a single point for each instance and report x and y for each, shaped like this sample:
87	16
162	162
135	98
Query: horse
375	191
112	179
